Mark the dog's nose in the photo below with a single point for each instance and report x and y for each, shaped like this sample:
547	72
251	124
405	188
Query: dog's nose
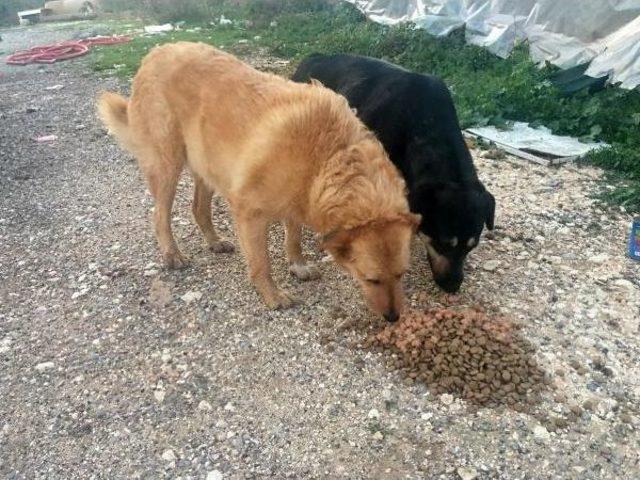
391	316
451	283
451	287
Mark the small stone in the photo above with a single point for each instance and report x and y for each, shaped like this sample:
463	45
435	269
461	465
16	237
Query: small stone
593	386
205	406
169	456
214	475
599	259
561	422
81	293
390	400
46	138
191	296
540	433
378	435
491	265
373	413
621	282
5	345
467	473
166	357
446	398
575	409
494	154
229	407
626	418
41	367
159	395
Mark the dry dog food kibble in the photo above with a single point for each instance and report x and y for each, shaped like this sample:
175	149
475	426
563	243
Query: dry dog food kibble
481	359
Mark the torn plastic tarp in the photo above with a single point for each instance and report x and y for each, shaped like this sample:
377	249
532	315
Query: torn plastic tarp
566	33
156	29
537	141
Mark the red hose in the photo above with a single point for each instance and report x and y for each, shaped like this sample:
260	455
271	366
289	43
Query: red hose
61	51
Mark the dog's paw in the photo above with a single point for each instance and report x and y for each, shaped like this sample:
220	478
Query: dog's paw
175	260
222	246
304	271
280	300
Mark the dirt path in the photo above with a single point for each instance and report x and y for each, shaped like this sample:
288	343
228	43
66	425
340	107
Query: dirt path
111	367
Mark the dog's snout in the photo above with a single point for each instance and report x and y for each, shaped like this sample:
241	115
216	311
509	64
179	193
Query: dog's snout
450	283
450	287
391	316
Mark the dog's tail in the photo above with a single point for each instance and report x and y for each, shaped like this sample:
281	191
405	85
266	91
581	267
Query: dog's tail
113	111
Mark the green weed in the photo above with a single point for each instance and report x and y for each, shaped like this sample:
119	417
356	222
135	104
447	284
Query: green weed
124	60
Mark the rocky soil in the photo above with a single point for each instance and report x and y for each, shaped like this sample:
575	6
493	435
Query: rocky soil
111	367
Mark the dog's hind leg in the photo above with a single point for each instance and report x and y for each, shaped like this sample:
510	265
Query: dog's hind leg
162	170
202	214
293	243
252	233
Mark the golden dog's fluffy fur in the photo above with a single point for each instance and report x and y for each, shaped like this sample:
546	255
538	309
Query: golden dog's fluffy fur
277	151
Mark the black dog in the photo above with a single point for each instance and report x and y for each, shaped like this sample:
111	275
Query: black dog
414	117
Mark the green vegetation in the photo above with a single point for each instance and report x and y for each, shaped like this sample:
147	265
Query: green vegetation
125	58
487	89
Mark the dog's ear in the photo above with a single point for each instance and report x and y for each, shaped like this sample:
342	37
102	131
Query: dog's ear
338	244
490	209
423	200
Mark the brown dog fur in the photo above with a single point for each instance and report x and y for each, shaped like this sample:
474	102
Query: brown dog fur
277	151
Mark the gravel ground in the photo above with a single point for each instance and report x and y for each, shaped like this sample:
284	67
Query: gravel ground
111	367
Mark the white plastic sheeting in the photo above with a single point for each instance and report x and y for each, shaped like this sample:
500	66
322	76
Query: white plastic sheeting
538	140
566	33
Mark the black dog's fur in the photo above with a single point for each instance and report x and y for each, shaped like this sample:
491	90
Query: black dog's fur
414	117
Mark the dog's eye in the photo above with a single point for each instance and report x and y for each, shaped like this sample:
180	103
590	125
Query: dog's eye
373	281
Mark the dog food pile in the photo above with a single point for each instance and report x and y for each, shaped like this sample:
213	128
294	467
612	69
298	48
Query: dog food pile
464	353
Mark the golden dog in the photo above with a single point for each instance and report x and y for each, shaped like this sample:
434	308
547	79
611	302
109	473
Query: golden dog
277	151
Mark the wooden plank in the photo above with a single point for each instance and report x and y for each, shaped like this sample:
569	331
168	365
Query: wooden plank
525	155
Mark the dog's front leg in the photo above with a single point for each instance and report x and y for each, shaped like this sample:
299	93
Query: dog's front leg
293	243
252	233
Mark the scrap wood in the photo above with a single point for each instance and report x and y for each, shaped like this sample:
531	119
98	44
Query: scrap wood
523	154
61	51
